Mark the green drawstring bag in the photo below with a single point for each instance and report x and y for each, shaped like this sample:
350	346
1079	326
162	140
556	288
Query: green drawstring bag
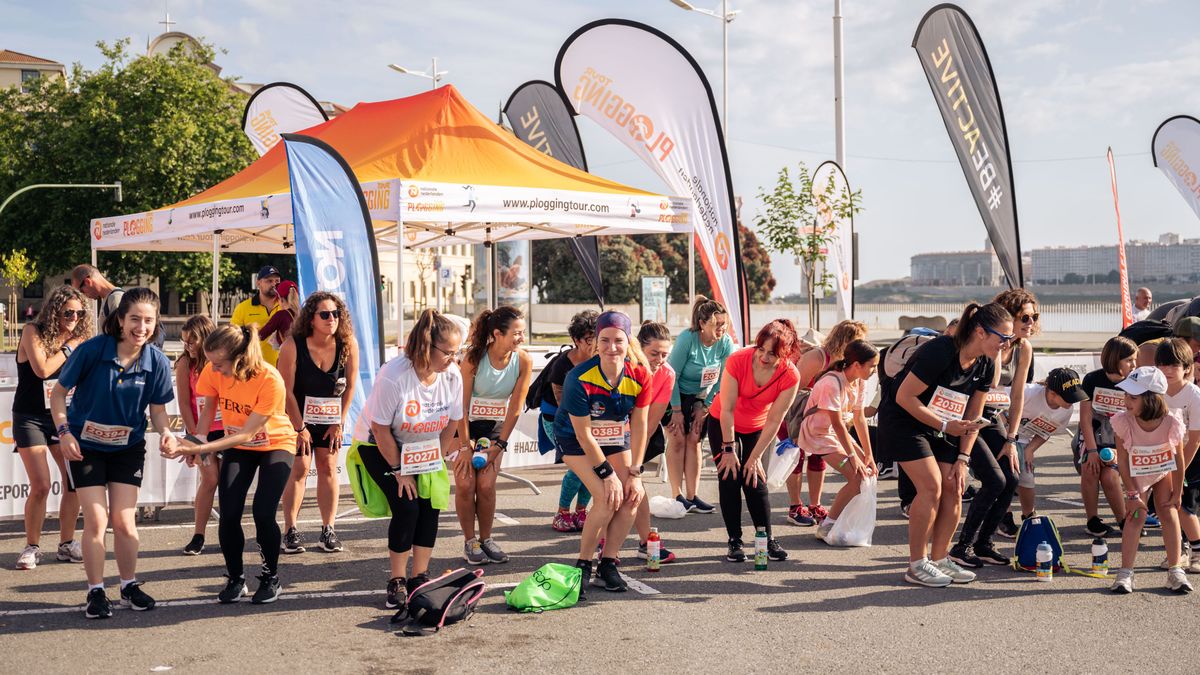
372	503
552	586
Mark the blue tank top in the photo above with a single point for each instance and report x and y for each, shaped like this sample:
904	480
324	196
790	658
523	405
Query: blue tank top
494	384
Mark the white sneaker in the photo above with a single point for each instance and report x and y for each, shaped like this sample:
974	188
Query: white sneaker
956	573
1124	582
29	558
70	551
925	573
823	530
1177	581
1193	563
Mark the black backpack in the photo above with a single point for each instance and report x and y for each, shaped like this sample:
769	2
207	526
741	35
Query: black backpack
537	388
1146	330
447	599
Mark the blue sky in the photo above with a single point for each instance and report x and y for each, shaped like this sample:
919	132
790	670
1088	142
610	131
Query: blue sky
1074	77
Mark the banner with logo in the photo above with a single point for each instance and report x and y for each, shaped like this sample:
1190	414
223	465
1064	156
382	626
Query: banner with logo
335	248
1122	265
960	75
279	108
646	90
1175	149
829	182
541	116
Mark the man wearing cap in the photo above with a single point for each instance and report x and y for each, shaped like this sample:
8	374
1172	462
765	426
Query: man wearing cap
258	308
1188	328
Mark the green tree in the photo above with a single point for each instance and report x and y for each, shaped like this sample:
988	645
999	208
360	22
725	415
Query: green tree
18	272
167	127
623	263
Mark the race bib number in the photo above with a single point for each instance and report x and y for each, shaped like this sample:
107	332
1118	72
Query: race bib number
200	408
1151	460
420	457
708	376
322	410
948	405
47	386
1108	402
608	433
259	440
1000	399
106	434
1039	426
493	409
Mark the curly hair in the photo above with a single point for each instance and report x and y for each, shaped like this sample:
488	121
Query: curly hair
46	322
1016	298
302	328
841	335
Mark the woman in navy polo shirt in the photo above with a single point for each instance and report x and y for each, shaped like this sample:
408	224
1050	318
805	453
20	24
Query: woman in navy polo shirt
116	377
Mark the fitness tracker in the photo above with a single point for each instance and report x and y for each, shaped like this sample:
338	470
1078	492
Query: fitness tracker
603	470
964	458
503	444
394	471
636	471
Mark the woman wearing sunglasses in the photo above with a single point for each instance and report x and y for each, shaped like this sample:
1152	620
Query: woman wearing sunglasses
996	462
929	422
46	343
319	363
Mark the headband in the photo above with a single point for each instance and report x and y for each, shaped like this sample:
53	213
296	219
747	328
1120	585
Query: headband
612	319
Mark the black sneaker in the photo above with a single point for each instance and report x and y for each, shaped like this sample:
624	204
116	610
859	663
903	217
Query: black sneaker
608	577
735	553
688	506
585	567
775	551
233	591
964	555
1008	527
701	506
968	494
98	605
396	593
292	543
195	546
416	581
1098	528
268	589
133	597
329	540
987	552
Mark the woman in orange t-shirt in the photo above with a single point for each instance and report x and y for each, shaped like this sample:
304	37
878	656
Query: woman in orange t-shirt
259	439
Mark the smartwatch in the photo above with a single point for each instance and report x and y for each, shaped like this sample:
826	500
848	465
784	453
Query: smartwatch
603	470
964	458
727	447
636	471
503	444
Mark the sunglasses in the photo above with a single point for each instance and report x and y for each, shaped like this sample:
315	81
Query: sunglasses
1031	318
1003	338
74	313
329	314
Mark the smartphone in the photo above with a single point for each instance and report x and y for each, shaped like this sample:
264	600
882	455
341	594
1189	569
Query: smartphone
984	422
191	438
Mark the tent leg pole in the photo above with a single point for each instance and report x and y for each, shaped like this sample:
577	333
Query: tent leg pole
215	301
692	270
491	276
400	283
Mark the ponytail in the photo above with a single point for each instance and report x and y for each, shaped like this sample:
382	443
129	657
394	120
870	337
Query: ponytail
240	345
431	327
489	321
703	310
978	316
859	351
652	330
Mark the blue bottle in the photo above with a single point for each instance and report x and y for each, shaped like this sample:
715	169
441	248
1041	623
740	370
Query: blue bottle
479	460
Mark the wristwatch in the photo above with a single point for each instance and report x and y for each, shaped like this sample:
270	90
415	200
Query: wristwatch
636	471
503	444
394	471
727	447
964	458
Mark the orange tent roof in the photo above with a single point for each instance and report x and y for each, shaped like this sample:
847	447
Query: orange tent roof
436	136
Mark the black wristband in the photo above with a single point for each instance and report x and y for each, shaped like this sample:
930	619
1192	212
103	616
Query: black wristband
394	471
503	444
603	470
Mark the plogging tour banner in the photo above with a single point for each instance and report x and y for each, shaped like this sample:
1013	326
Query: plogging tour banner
829	180
1175	149
279	108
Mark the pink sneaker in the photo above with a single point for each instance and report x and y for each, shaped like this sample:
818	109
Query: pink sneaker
579	518
563	522
818	512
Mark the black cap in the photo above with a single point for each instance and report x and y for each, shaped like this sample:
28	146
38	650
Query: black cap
1065	382
269	271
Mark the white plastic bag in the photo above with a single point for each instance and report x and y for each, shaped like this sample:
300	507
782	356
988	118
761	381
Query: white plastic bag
664	507
787	456
857	522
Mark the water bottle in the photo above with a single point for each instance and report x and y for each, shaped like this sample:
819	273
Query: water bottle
479	460
653	551
760	550
1107	456
1045	562
1099	556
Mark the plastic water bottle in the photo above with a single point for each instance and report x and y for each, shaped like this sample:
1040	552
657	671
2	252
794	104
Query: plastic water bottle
1099	556
760	550
653	551
479	460
1045	562
1107	456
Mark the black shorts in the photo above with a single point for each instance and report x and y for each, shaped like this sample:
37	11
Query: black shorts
489	429
688	404
317	433
1191	497
656	444
907	445
30	430
98	469
575	450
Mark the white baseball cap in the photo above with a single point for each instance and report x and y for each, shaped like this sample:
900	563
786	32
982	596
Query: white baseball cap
1144	379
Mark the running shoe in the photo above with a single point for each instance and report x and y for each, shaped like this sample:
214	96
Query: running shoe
904	509
925	573
98	605
775	551
195	546
29	558
609	578
664	555
735	553
578	519
818	512
235	588
957	574
986	551
70	551
329	541
964	554
701	506
1152	522
133	597
493	551
585	567
1008	527
473	552
823	530
415	581
396	593
1123	584
268	589
292	541
969	494
1193	563
688	506
1098	528
1177	581
563	522
888	472
799	515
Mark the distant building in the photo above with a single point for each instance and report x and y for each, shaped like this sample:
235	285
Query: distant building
956	268
18	70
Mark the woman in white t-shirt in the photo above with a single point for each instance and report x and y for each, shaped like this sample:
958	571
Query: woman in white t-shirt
1047	411
404	434
1175	359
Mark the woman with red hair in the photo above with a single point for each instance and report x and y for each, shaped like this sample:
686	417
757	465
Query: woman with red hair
757	389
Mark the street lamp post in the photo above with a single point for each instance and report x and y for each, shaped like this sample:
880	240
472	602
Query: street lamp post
434	75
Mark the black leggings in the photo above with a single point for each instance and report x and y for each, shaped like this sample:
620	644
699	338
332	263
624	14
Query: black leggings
414	521
998	485
758	502
237	473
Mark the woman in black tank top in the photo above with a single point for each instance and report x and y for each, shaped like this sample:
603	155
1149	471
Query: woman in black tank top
46	344
319	365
